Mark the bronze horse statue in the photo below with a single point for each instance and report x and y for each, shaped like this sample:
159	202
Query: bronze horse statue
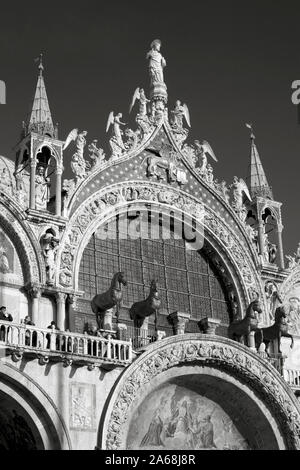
140	310
240	328
113	296
275	331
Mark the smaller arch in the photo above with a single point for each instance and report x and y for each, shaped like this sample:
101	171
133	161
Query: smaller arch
50	428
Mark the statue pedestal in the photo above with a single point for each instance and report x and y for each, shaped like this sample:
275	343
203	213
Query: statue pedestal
122	331
179	320
106	319
208	325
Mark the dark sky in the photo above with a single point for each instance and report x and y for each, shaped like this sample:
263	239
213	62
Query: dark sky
230	61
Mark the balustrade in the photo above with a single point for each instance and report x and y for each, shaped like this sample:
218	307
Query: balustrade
29	337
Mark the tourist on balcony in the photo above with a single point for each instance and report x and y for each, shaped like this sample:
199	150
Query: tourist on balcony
52	326
27	321
4	316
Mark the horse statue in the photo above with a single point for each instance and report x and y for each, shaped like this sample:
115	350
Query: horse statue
113	296
239	328
275	331
140	310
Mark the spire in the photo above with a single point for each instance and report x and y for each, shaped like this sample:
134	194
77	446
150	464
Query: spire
40	118
256	179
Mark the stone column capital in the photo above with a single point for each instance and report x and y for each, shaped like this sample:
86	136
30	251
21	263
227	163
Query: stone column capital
179	320
61	297
35	292
208	325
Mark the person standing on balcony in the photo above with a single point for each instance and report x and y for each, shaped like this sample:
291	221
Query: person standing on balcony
4	316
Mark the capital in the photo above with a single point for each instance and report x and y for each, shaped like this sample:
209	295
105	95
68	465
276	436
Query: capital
60	297
35	292
208	325
179	321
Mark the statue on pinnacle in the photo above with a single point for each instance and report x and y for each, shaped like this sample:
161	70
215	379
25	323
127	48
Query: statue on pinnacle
158	88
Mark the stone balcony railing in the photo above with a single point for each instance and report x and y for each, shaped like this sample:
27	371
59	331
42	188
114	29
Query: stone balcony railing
45	344
292	377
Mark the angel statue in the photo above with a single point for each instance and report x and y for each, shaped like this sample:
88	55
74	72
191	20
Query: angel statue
141	118
96	154
202	149
180	111
240	189
139	94
156	62
78	164
116	142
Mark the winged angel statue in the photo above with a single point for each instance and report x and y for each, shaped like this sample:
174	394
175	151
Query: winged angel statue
202	150
116	141
179	112
139	94
239	189
78	163
141	118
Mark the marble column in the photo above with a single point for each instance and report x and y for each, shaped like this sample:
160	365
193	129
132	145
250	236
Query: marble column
32	183
61	310
280	246
58	191
35	294
179	321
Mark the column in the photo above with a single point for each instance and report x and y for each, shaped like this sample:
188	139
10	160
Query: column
107	319
261	243
179	320
35	294
61	310
32	183
251	341
58	191
280	246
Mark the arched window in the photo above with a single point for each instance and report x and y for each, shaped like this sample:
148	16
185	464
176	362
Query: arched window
187	280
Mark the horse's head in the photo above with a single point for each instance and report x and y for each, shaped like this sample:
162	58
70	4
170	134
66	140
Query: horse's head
121	278
254	308
281	312
153	286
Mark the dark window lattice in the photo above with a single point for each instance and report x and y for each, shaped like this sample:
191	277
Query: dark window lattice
185	277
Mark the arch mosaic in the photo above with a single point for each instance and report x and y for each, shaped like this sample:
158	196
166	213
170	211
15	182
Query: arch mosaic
29	253
220	356
109	201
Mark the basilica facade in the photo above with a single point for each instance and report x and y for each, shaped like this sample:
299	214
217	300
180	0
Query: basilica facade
147	304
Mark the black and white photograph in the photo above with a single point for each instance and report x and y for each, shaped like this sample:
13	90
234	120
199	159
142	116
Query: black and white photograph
149	228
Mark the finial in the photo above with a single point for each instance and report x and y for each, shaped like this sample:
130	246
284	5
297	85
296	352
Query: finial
252	136
41	67
40	60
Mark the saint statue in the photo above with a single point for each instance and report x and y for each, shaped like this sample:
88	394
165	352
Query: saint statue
50	247
4	263
42	189
156	62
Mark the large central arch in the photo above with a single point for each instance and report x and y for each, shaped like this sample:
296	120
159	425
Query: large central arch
116	199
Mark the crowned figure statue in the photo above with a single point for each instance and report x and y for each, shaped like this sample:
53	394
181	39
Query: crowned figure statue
158	88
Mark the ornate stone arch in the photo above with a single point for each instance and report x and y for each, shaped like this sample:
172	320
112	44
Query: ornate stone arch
109	201
51	429
12	221
268	396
